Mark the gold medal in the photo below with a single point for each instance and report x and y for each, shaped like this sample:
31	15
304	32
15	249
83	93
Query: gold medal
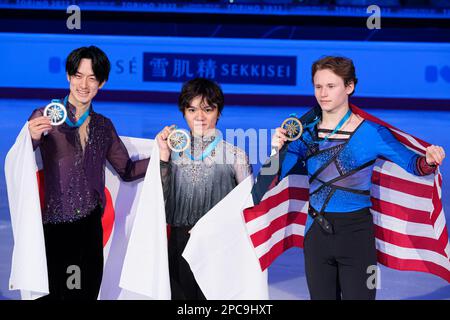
178	140
293	127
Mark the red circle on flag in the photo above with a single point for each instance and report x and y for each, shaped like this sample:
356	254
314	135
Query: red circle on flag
108	217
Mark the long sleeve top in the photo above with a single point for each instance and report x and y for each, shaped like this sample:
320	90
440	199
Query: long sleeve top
74	179
192	187
340	170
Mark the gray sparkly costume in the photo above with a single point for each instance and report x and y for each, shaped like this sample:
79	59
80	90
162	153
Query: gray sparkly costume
193	187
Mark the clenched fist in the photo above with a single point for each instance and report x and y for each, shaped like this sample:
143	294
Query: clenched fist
279	138
435	155
164	150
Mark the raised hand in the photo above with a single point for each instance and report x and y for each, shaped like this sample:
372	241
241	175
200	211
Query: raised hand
435	155
279	138
164	150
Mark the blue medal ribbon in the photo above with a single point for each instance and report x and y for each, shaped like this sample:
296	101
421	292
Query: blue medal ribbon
79	121
207	151
339	125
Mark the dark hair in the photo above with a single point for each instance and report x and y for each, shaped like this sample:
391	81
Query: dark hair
209	90
100	62
341	66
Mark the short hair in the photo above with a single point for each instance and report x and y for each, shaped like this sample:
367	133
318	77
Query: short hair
100	62
341	66
209	90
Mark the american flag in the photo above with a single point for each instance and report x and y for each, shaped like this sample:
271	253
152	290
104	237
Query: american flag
410	228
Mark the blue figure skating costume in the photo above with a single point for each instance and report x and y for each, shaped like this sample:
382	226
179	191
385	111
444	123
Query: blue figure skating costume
340	170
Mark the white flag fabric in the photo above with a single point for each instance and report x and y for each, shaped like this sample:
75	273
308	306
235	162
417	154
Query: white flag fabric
220	252
145	269
29	266
136	259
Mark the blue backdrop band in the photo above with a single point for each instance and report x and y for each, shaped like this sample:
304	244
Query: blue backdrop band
253	66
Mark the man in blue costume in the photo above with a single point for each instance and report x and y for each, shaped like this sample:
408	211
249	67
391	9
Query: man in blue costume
339	146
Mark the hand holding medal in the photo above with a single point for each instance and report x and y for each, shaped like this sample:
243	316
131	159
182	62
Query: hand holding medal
293	128
172	139
56	112
178	140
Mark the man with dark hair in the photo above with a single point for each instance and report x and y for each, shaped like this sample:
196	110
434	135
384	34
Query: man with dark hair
74	156
196	179
208	90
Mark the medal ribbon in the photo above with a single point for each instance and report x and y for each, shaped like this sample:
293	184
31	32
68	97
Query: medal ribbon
207	151
82	118
339	125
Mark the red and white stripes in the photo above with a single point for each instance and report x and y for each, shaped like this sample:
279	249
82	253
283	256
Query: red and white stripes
277	223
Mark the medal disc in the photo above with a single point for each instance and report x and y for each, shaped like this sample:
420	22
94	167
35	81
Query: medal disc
293	127
56	112
178	140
